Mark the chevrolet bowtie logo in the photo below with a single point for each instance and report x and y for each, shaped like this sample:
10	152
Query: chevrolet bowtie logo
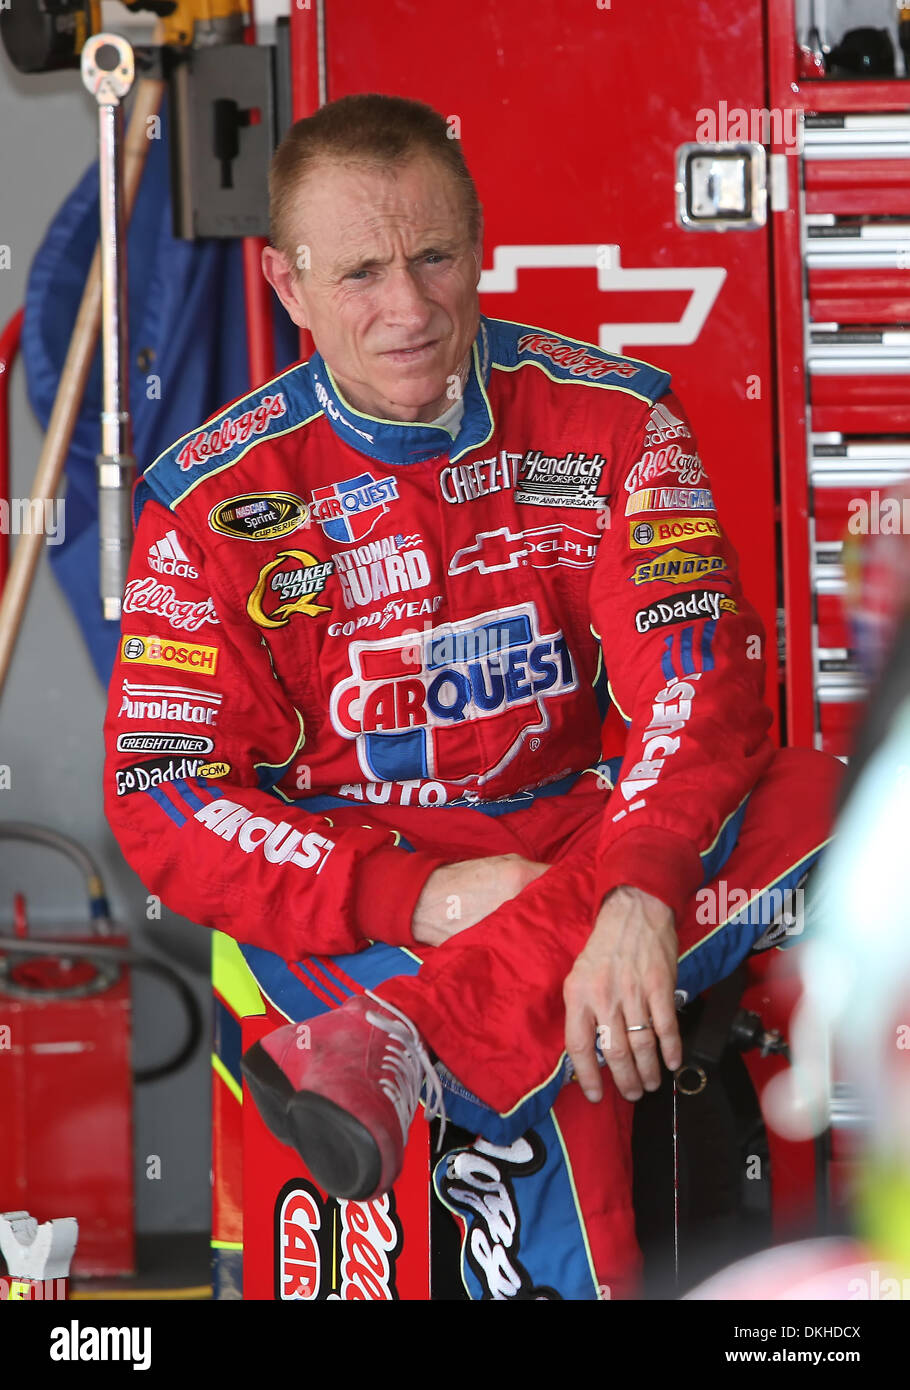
540	546
704	282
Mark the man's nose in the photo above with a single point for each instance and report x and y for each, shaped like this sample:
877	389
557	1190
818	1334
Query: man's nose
404	299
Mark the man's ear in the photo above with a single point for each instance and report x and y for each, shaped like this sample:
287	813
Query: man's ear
478	250
286	284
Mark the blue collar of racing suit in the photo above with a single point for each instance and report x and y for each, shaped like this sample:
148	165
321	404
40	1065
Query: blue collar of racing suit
394	441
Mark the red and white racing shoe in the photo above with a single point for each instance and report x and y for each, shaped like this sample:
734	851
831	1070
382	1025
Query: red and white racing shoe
342	1090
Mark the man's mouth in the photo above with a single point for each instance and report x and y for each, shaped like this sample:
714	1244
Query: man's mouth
411	354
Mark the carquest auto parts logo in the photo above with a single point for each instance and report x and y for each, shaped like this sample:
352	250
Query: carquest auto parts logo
332	1249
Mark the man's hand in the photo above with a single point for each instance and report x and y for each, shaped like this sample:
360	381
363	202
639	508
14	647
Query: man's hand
458	896
624	976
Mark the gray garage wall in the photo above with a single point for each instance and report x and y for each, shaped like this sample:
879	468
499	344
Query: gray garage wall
52	707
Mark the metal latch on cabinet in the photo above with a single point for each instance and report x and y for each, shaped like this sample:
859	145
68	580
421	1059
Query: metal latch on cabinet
729	186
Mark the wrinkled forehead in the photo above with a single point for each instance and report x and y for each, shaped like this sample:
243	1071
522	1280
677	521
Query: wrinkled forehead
342	203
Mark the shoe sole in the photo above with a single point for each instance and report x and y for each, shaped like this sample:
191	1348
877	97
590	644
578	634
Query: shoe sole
339	1151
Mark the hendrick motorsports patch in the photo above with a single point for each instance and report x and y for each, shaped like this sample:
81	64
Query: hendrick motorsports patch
543	480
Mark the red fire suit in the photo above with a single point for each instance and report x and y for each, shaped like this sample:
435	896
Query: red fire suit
353	650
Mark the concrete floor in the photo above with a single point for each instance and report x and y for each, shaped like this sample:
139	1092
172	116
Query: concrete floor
166	1261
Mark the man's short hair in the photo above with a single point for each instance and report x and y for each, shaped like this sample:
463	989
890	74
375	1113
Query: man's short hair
366	128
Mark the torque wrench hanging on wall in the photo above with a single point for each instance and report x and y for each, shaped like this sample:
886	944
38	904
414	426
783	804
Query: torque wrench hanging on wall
107	72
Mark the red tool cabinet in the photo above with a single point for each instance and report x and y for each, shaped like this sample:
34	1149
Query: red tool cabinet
842	302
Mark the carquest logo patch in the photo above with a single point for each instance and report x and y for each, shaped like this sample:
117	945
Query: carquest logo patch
348	511
409	697
334	1249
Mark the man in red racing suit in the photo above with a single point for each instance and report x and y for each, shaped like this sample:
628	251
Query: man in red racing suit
370	662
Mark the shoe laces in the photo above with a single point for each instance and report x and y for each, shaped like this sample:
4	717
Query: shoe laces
408	1065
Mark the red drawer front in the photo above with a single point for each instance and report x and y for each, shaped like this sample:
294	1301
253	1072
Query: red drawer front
833	627
876	187
834	507
861	404
839	723
856	96
859	296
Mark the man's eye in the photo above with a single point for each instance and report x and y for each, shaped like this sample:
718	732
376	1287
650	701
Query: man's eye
435	257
